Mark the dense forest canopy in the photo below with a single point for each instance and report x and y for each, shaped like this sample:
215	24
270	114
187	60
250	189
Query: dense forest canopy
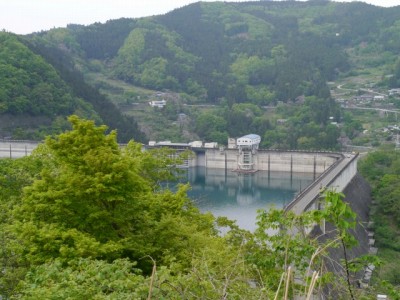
29	84
40	82
281	49
231	46
30	87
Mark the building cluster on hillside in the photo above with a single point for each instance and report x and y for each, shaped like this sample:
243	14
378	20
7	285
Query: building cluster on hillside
194	144
370	98
367	98
394	92
250	140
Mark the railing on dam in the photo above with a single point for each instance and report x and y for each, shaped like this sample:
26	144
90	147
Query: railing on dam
21	148
337	176
16	148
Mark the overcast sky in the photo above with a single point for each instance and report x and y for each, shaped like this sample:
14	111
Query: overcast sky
26	16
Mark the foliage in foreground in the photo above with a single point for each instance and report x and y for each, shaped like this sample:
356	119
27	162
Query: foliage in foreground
86	219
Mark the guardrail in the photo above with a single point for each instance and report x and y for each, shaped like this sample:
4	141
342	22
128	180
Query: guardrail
15	152
304	192
16	148
20	141
300	197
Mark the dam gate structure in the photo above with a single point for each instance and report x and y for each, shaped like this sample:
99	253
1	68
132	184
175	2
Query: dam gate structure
248	146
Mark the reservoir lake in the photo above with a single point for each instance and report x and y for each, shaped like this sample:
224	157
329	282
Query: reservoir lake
238	196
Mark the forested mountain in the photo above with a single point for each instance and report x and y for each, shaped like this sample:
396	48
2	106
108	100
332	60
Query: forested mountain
264	53
30	87
260	52
38	90
107	111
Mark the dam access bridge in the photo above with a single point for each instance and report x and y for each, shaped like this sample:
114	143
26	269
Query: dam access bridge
330	169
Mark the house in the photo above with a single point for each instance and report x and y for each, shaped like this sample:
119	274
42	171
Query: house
281	121
211	145
364	98
159	104
394	92
379	98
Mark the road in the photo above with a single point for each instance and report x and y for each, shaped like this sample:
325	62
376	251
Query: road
361	89
372	108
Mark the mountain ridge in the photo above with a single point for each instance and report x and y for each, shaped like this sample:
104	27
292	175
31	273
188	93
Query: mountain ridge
231	55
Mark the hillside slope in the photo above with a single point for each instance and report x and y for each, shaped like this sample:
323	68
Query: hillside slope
31	92
260	52
36	96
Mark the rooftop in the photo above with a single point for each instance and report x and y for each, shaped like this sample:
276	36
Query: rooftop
251	137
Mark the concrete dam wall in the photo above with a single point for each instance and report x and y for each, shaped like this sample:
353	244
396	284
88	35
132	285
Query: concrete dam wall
268	160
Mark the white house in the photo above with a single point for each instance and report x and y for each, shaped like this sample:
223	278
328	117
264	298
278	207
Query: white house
394	92
379	98
158	103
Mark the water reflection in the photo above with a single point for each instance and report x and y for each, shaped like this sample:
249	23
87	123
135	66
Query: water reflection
239	196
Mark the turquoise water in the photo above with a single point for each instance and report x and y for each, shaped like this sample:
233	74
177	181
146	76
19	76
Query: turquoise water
239	196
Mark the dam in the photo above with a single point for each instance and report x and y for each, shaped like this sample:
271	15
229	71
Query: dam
267	160
330	169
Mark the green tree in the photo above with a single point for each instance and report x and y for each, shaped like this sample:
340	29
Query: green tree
84	279
380	168
95	200
14	176
209	126
277	252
